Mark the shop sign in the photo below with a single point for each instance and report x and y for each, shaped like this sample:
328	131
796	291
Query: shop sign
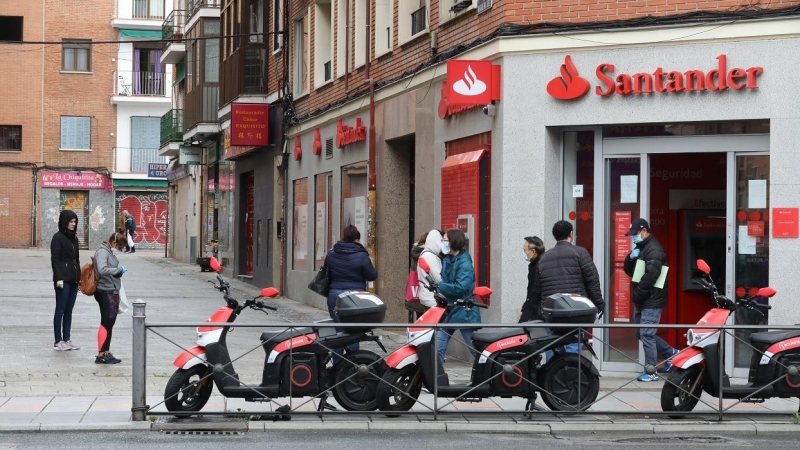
249	124
156	170
175	173
570	85
74	180
472	82
229	151
346	135
447	109
784	222
190	155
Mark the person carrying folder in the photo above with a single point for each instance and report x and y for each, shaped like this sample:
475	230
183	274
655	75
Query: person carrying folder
647	266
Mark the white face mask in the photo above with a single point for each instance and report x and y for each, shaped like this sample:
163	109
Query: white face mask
526	257
445	247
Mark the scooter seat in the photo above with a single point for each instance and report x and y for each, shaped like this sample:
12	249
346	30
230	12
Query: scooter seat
280	336
771	337
495	334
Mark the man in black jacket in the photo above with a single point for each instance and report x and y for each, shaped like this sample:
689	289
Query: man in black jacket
649	295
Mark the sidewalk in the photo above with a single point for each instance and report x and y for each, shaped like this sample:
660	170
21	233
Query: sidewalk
43	390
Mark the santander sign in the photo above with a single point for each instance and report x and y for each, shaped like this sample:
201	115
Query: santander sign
570	85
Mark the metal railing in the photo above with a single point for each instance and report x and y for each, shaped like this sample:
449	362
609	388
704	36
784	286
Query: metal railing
172	126
429	403
148	9
142	157
173	28
195	5
141	83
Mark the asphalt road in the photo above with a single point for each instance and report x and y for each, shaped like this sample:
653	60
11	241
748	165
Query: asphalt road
382	440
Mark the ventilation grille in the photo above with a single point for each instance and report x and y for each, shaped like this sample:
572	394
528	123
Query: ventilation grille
329	148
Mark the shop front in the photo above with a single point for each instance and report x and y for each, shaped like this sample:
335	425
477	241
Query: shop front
692	138
147	202
88	194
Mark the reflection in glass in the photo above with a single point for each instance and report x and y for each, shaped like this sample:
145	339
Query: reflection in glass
300	225
354	197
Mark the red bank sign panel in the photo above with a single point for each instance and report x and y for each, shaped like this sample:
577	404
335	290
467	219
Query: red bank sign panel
471	82
249	124
570	85
784	222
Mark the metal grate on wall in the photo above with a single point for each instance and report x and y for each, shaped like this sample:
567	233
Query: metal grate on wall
329	148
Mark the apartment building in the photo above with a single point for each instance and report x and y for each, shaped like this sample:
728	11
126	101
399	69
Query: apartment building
500	118
142	92
57	125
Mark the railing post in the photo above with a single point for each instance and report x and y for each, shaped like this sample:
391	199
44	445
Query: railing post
722	336
138	360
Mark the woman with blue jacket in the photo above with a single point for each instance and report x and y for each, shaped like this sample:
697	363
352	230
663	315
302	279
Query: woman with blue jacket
458	282
349	269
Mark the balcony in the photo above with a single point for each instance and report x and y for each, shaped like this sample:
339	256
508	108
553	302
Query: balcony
202	104
173	48
141	157
244	73
201	8
140	86
139	14
171	132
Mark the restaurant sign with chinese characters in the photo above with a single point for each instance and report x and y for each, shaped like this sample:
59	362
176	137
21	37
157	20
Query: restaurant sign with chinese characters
249	124
74	180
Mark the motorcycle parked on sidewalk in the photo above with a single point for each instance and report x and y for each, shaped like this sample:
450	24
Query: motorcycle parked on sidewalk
774	366
507	360
297	360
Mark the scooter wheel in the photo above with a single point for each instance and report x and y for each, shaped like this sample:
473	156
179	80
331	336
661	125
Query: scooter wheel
569	384
682	390
399	389
357	391
188	390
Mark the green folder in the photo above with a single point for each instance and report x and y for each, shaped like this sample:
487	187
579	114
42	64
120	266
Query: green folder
638	272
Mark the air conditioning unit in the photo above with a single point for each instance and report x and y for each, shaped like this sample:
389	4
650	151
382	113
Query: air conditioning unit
460	5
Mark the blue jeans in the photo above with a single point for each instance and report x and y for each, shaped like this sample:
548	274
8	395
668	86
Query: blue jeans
652	343
62	319
443	338
337	353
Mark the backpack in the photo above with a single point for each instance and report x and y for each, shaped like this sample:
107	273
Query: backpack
88	281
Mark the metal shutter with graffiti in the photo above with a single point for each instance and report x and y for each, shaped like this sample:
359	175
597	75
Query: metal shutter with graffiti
149	210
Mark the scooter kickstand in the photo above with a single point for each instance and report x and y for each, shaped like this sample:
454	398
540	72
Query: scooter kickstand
324	405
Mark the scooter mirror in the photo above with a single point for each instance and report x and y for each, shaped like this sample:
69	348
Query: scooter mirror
424	264
766	292
482	291
703	267
214	264
270	292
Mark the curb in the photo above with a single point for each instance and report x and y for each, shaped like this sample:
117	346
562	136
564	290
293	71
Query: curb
79	427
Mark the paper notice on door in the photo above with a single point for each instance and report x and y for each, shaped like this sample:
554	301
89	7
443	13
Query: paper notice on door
629	188
757	194
638	273
746	244
577	190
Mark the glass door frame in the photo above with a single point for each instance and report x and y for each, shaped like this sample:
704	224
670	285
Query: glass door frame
605	149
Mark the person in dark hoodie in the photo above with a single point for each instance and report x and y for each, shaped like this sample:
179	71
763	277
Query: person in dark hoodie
349	269
533	248
65	260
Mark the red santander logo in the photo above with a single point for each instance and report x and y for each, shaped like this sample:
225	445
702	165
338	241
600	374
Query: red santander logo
569	85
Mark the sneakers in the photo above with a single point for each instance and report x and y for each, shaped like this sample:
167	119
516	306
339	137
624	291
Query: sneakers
645	377
61	346
108	358
668	362
72	345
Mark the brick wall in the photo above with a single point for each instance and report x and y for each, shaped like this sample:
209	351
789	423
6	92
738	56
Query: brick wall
469	26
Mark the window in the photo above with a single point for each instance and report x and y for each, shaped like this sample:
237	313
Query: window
323	41
10	138
148	72
301	41
10	29
354	197
277	25
342	37
76	132
76	55
300	225
412	19
256	28
145	141
323	217
360	34
450	9
212	52
384	18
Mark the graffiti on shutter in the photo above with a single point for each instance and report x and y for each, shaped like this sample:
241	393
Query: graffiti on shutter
149	210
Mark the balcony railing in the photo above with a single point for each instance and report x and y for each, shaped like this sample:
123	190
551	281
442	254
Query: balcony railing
419	20
244	72
195	5
172	126
148	9
201	105
140	83
141	157
172	28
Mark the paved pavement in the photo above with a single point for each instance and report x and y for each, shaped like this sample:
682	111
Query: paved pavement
42	389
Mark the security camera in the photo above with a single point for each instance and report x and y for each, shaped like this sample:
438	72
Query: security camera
490	110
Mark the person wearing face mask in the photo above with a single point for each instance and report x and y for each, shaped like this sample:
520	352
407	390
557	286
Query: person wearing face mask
458	282
533	248
648	299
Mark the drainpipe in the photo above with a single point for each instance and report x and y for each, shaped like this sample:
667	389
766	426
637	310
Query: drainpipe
347	46
372	194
